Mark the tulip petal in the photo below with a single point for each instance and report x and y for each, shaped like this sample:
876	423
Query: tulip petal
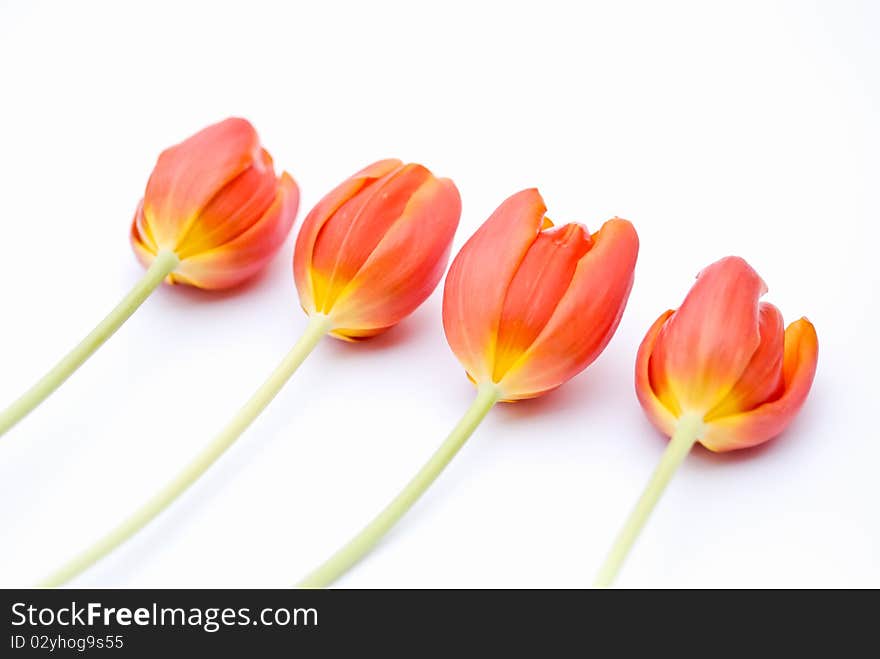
660	385
141	240
541	280
480	274
658	411
768	420
585	318
141	229
406	265
350	236
706	345
244	256
233	210
189	174
318	217
762	380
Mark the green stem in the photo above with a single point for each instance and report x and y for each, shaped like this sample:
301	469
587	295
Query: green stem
317	328
161	267
363	542
687	430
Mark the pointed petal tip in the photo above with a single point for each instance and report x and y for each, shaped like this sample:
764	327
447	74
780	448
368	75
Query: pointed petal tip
735	266
529	197
620	228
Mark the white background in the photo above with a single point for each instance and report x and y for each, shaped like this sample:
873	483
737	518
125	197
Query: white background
717	128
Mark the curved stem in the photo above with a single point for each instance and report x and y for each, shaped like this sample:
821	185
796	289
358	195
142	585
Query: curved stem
686	432
318	326
161	267
363	542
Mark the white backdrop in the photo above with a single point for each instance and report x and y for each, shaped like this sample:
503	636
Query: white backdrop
743	128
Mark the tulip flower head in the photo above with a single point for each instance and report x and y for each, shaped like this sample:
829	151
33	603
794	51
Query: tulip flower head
719	370
374	248
725	358
214	200
527	305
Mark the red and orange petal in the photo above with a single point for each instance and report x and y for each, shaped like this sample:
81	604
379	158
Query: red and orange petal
762	379
765	421
245	255
405	266
320	215
538	285
188	175
353	232
233	210
658	405
141	241
705	346
239	259
473	297
586	317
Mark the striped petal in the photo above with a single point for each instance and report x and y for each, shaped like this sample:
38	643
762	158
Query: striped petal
233	210
141	240
244	256
405	266
764	422
762	380
477	283
585	318
349	237
188	175
320	215
705	346
659	412
541	280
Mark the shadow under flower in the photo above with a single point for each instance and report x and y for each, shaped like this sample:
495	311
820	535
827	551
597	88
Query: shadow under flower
404	332
581	392
263	280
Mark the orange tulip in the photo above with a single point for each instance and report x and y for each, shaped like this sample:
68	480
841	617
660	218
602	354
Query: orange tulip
215	202
720	370
213	214
724	357
526	307
374	248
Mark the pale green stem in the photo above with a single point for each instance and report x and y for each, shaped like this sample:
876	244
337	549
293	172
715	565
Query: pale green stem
363	542
317	328
161	267
687	430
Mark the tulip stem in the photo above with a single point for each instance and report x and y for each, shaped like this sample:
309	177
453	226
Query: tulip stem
164	263
338	564
317	328
687	430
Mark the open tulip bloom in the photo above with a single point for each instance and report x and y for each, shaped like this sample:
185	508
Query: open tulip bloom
721	371
367	256
526	307
213	214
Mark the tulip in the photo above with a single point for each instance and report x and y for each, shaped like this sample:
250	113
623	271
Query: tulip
368	255
375	248
526	307
215	202
720	371
213	214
